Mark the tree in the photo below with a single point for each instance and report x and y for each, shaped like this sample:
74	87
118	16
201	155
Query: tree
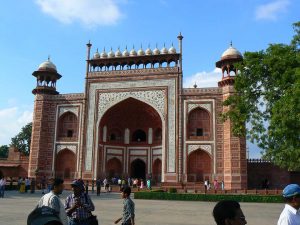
4	151
268	100
23	139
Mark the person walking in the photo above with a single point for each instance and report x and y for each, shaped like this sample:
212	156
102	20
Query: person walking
52	200
2	187
87	187
290	215
105	182
79	205
93	186
128	209
98	185
229	212
22	186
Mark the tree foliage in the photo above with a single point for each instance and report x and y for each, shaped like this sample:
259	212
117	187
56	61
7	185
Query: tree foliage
23	139
268	100
4	151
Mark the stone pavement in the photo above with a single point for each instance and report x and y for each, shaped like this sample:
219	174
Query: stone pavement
15	208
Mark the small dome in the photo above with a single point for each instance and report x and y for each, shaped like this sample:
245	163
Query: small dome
118	53
141	52
103	54
156	51
172	50
164	50
133	52
125	53
148	51
96	55
47	65
111	54
231	52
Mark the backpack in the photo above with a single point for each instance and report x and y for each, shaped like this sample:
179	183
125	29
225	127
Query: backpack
43	215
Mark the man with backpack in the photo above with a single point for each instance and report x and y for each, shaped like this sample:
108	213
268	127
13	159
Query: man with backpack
49	206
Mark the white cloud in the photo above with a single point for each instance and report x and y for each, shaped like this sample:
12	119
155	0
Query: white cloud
11	121
90	13
204	79
271	11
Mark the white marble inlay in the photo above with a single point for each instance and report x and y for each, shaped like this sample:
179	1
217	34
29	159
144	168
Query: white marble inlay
155	100
61	147
206	148
72	109
192	106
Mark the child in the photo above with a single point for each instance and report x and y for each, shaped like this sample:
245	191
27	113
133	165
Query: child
128	210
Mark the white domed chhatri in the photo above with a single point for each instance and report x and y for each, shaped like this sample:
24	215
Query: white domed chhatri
172	50
231	52
125	53
141	52
156	51
96	55
111	54
133	52
47	65
164	50
148	51
118	53
103	54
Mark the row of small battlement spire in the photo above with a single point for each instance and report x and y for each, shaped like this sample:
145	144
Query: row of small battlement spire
133	52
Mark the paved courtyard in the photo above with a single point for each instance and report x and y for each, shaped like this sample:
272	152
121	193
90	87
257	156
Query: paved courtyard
15	208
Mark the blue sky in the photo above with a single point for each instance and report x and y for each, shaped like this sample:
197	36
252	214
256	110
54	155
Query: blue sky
33	29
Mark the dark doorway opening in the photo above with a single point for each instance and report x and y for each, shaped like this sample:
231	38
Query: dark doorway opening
138	169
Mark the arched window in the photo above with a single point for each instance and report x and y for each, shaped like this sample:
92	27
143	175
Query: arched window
199	124
68	126
139	136
158	135
115	135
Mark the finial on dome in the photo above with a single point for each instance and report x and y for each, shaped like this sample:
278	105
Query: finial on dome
195	85
230	43
48	57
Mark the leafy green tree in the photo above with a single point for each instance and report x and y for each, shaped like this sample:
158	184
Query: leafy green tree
22	140
4	151
268	100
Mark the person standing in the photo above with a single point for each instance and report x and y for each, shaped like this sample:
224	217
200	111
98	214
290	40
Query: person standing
128	209
129	182
79	205
149	184
290	215
105	182
52	200
120	183
98	184
87	187
93	186
43	183
2	187
22	186
27	184
229	212
222	185
32	186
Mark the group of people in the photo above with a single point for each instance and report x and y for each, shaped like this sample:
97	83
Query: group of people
25	184
77	209
216	185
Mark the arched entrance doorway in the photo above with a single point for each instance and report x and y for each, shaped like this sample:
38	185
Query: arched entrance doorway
138	169
65	164
114	168
157	171
199	166
130	129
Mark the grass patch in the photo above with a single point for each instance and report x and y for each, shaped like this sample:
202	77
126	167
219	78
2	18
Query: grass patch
207	197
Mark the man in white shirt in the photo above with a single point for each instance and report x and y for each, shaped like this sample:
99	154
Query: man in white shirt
290	214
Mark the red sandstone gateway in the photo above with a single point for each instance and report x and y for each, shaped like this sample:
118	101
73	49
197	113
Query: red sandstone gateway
136	120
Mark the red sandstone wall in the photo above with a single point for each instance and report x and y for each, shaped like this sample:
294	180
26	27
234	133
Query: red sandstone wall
278	178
